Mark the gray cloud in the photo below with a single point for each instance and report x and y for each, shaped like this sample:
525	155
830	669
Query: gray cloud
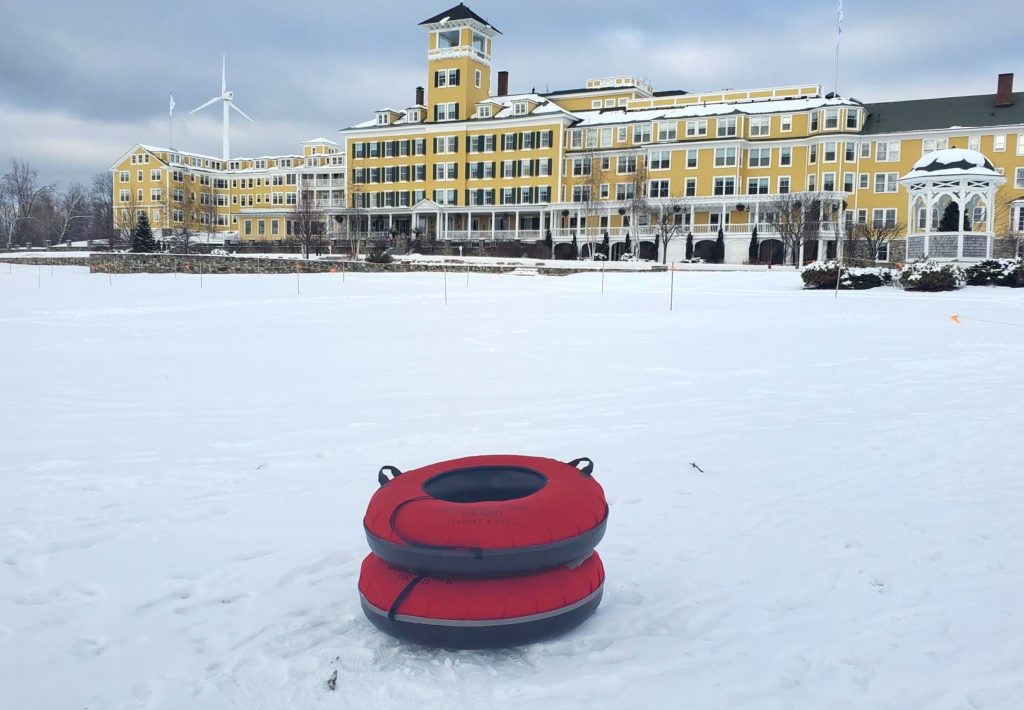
82	82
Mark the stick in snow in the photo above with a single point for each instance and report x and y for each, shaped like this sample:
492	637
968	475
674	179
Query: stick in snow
692	464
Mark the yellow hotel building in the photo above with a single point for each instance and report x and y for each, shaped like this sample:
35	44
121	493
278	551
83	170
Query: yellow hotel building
468	162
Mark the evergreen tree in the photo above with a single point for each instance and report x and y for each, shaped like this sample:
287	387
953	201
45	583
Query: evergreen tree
575	250
142	236
720	247
950	218
549	243
689	246
606	245
753	251
628	248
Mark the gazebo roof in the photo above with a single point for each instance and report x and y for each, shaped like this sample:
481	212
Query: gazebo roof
953	163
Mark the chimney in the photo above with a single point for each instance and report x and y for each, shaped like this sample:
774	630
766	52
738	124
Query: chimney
503	83
419	96
1004	92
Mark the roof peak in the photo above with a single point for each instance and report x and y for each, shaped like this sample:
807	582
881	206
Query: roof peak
458	12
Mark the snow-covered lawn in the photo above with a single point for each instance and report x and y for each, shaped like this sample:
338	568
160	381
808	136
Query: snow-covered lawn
184	472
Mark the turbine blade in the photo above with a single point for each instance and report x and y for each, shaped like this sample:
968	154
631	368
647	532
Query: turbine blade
212	101
223	73
232	105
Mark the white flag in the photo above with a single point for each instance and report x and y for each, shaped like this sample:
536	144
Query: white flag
172	105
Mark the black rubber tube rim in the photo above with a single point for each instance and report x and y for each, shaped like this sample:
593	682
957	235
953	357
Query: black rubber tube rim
493	562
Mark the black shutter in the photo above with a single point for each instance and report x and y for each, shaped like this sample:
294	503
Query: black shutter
437	79
456	144
456	111
456	166
458	72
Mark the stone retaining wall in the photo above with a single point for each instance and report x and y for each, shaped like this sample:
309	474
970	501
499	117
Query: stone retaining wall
47	260
115	263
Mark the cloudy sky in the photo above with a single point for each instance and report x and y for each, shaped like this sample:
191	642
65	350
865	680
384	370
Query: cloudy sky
81	82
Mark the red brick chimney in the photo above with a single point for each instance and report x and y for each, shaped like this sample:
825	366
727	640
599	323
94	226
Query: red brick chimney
1004	92
419	96
503	83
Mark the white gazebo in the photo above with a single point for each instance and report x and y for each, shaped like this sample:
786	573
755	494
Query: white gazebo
965	178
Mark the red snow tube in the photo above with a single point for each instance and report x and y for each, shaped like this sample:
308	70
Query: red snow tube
486	516
479	613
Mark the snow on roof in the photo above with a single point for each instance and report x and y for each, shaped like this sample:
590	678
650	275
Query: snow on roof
952	162
543	107
318	140
622	115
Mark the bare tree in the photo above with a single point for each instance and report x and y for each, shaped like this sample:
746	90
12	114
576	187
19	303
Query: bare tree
795	217
309	221
71	212
587	195
101	208
668	219
1003	214
355	213
865	241
186	230
126	215
638	205
22	193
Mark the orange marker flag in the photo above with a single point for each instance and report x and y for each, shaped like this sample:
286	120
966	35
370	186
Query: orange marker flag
956	319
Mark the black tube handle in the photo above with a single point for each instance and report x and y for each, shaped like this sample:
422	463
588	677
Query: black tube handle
382	477
587	470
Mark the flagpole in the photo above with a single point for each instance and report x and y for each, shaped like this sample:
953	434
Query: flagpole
170	124
839	36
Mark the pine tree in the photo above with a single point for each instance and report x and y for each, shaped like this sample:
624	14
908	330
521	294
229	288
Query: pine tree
689	246
575	253
142	236
550	244
720	247
950	221
606	245
628	248
753	251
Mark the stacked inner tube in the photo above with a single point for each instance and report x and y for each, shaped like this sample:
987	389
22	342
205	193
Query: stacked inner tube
484	551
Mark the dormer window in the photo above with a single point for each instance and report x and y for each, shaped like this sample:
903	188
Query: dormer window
414	116
520	108
483	111
383	119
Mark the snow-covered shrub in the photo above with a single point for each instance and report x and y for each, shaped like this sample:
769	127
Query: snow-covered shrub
822	275
996	272
929	275
379	255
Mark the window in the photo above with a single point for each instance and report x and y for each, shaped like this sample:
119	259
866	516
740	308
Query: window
691	187
595	104
831	119
622	134
545	139
998	143
883	218
864	181
814	121
812	183
666	132
930	145
812	153
606	137
697	128
477	77
624	191
849	153
483	111
519	108
508	168
446	171
759	157
625	164
1018	179
1020	144
974	143
887	152
581	166
726	127
785	157
609	103
508	141
828	182
140	176
760	126
865	150
886	182
248	227
691	158
446	144
725	157
448	38
581	193
883	252
661	160
757	186
125	195
419	146
725	186
125	176
604	191
446	112
527	140
830	152
785	124
383	119
154	195
852	119
783	185
658	188
154	175
642	133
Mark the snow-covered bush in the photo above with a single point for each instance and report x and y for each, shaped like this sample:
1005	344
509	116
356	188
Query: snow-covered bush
929	275
379	255
822	275
996	272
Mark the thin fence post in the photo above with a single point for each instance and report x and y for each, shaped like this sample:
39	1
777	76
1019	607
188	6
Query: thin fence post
298	285
467	273
602	277
343	272
672	287
40	276
200	273
444	271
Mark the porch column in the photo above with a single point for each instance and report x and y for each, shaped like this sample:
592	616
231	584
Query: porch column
517	225
492	225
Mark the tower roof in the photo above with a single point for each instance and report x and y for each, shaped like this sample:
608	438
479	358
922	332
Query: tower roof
459	12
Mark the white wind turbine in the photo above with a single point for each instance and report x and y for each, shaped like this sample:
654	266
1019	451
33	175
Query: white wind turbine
228	99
